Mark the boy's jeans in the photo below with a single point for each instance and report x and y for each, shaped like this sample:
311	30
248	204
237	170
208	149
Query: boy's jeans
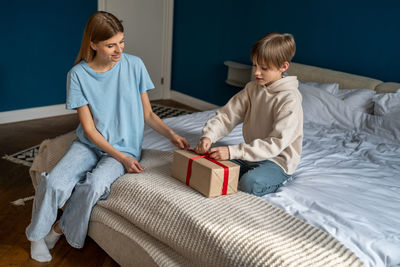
261	177
83	176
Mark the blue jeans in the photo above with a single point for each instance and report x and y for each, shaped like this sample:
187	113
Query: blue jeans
261	177
83	176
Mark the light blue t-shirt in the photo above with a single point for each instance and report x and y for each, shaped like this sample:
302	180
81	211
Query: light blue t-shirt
114	101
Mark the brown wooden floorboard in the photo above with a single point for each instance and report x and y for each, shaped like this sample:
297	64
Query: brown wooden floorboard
15	183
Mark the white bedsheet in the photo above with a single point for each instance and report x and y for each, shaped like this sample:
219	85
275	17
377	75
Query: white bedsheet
347	183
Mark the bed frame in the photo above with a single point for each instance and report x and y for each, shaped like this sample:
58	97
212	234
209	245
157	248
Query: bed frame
345	80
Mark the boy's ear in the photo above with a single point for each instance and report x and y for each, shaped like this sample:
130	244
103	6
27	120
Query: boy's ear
284	67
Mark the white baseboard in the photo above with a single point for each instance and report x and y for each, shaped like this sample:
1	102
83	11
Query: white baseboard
192	101
58	110
34	113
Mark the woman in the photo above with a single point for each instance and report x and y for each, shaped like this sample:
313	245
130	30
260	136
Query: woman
109	90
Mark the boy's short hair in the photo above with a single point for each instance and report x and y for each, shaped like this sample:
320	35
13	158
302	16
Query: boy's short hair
273	49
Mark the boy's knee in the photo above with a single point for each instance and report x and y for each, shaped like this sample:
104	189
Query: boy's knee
246	184
250	184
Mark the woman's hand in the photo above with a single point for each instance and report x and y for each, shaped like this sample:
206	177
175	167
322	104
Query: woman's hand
179	141
220	153
203	146
132	165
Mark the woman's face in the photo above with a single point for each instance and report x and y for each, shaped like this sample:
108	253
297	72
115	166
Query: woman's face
109	50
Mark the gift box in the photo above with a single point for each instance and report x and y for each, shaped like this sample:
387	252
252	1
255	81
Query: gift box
206	175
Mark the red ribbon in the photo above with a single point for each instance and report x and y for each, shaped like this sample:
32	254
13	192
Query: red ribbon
206	156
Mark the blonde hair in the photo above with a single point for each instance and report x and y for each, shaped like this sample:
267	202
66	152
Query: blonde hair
273	49
100	26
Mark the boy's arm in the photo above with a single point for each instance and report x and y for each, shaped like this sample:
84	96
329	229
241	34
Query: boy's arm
227	117
285	130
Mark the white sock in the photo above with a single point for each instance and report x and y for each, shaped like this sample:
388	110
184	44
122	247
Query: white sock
39	251
52	238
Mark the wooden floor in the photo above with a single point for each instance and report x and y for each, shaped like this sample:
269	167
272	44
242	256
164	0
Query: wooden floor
15	183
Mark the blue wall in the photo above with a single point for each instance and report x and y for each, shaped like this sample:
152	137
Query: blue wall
360	37
40	41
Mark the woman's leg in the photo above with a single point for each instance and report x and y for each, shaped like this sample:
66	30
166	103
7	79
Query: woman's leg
75	219
52	192
55	188
264	179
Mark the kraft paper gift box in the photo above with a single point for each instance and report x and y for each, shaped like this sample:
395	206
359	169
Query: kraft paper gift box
205	175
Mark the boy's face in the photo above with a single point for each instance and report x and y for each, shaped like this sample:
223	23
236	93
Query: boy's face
266	75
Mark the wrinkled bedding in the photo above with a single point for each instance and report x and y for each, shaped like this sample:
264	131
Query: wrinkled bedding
347	183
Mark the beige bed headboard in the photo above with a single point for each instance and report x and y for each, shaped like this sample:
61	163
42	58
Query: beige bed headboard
309	73
388	87
240	74
322	75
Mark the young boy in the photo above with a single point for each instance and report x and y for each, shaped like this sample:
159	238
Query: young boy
272	116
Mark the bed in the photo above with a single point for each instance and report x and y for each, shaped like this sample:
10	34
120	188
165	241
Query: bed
340	208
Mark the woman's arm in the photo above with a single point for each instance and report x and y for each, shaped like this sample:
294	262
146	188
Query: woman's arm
86	119
158	125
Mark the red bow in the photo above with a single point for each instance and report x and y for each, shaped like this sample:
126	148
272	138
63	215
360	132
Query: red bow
206	156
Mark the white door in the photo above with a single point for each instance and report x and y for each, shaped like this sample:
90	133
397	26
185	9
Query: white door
148	35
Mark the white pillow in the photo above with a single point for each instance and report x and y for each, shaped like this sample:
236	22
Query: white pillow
358	99
331	88
326	109
387	104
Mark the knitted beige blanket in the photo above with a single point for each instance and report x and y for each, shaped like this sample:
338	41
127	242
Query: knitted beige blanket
234	230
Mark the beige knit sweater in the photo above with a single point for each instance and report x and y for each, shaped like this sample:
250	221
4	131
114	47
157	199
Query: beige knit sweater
272	119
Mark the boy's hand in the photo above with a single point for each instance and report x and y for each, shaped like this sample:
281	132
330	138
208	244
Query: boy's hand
180	142
132	165
220	153
203	146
